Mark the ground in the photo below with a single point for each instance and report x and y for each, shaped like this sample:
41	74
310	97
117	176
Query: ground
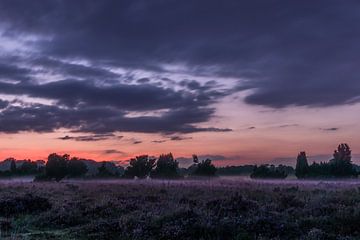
222	208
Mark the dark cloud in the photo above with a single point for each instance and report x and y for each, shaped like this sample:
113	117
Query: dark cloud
3	104
302	53
74	70
89	138
100	120
137	142
159	141
179	138
10	72
189	160
288	125
124	96
86	106
330	129
113	151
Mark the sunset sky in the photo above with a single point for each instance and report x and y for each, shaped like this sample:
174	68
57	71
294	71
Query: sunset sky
236	81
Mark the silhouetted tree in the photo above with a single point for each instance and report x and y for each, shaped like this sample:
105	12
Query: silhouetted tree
13	166
76	168
28	168
302	166
166	167
103	171
56	166
204	168
140	167
266	171
341	165
235	170
195	159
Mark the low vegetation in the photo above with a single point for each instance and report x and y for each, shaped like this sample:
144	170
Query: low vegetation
191	209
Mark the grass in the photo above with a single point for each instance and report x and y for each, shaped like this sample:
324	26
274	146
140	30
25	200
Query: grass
223	208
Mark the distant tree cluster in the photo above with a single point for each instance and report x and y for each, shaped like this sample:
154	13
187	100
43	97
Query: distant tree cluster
20	168
202	168
269	171
340	166
244	170
60	166
167	167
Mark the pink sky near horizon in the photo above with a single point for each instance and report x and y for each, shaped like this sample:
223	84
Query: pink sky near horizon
259	136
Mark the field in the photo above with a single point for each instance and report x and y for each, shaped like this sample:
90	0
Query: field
223	208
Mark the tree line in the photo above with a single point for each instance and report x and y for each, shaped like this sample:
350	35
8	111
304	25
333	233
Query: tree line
165	166
340	166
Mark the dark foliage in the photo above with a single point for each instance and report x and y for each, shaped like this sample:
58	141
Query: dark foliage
28	168
338	167
204	168
23	205
341	165
166	167
235	170
140	167
302	166
76	168
268	171
104	172
56	166
20	168
217	209
13	166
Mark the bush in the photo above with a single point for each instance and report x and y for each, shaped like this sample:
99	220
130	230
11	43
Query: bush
76	168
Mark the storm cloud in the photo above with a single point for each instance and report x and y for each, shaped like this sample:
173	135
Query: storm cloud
283	53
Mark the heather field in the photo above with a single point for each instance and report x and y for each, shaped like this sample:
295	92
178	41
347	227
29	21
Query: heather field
223	208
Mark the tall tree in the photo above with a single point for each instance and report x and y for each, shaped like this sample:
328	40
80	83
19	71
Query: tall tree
341	165
56	166
13	166
302	166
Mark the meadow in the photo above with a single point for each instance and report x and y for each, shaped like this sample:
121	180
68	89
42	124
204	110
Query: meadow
221	208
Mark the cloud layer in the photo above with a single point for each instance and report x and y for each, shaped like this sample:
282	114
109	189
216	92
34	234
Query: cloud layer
285	54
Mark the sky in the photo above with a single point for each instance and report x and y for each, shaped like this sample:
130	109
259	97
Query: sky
240	82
